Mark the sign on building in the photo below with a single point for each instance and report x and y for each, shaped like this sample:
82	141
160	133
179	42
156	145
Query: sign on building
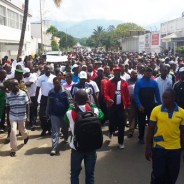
147	43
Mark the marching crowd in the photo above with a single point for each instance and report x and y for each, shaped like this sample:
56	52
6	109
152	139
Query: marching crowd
121	89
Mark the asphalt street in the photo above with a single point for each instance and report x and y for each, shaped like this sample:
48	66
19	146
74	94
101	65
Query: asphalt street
34	165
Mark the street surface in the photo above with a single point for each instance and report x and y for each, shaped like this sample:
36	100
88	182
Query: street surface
34	165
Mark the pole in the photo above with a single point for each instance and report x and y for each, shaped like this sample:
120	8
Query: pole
41	25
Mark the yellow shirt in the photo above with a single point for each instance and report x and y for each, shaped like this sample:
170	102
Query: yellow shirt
167	133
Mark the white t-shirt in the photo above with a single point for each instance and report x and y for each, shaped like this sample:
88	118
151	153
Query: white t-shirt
96	90
163	84
45	83
32	88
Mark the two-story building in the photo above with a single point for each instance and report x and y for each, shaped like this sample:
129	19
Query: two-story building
11	17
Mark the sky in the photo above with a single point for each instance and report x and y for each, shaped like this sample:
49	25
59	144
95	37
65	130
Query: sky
142	12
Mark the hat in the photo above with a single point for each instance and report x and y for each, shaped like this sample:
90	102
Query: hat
171	62
83	75
19	71
117	69
84	66
181	69
75	66
26	70
100	69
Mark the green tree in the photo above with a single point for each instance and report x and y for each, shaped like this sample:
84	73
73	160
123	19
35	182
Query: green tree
97	35
55	46
24	23
52	30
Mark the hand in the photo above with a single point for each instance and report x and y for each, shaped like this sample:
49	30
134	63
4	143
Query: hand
141	109
110	102
148	155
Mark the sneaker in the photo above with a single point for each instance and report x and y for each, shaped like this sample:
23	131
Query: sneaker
43	133
26	140
121	146
33	128
12	154
52	153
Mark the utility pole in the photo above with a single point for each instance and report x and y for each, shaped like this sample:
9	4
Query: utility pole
41	24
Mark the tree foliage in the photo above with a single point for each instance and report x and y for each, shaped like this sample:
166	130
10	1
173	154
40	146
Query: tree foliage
52	30
109	38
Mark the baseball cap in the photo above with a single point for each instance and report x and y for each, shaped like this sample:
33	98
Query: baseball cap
75	66
117	68
26	70
83	75
100	68
181	69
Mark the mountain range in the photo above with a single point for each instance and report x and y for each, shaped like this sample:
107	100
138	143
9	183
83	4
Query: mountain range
84	28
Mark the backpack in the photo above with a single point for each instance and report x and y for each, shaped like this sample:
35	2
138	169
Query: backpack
87	131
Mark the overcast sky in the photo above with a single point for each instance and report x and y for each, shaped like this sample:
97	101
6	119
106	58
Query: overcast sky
143	12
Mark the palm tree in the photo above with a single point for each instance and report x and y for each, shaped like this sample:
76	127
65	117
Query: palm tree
24	23
97	35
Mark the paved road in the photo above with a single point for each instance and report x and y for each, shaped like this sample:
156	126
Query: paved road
34	165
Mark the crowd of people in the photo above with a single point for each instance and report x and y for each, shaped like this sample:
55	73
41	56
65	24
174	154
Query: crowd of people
123	89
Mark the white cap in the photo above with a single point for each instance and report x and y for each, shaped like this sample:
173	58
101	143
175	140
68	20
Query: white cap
26	70
75	66
181	69
84	66
83	75
100	69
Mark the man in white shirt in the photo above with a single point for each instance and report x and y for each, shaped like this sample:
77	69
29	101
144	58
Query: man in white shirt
30	81
45	82
164	82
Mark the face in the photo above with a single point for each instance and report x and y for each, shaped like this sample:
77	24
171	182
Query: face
47	70
134	75
164	71
60	76
107	70
15	86
68	79
168	98
82	81
147	74
90	68
57	84
117	74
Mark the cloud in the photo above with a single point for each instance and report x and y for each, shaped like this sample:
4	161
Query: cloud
143	12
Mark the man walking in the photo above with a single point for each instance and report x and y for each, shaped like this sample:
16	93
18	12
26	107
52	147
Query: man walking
165	138
17	111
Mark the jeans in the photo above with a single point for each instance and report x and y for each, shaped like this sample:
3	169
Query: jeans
33	110
142	121
166	166
56	124
89	163
45	124
117	120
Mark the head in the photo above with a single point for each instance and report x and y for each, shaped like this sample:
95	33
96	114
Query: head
181	73
69	78
47	70
133	75
26	72
83	77
107	70
90	68
57	83
84	68
2	74
117	73
100	72
164	71
75	69
148	72
18	74
14	86
81	97
168	97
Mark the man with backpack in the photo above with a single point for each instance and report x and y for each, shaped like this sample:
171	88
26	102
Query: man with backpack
84	120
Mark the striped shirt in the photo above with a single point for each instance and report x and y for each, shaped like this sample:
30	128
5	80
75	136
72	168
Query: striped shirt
17	104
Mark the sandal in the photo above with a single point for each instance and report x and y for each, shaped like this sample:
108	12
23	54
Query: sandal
12	154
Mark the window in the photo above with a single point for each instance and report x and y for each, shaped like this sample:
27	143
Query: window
2	15
13	19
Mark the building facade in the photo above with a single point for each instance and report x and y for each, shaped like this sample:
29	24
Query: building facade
36	34
11	17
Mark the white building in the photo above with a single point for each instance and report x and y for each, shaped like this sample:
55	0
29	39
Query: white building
36	34
11	17
172	33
